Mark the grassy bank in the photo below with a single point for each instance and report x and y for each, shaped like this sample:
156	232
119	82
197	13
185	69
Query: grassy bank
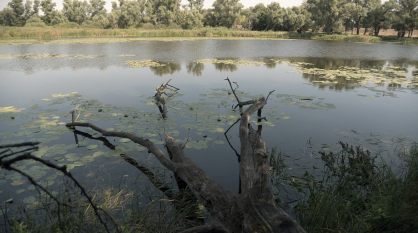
365	39
46	34
358	194
355	194
55	32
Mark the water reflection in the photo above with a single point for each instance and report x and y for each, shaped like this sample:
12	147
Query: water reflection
195	68
333	64
229	57
166	68
342	83
271	62
225	67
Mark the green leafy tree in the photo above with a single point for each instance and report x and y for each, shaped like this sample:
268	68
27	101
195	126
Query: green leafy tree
47	7
192	15
196	4
190	18
247	17
101	21
327	13
407	17
97	8
380	16
17	17
163	11
7	17
113	18
226	12
131	13
16	13
28	10
258	17
357	10
296	19
274	16
57	17
35	19
76	11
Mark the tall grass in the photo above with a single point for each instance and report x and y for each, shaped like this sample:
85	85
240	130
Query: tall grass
357	194
351	38
159	214
71	31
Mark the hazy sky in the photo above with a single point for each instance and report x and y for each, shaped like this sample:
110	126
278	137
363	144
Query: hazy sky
208	3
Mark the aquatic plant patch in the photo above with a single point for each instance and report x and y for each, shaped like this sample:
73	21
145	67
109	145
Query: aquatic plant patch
387	75
143	63
46	55
231	62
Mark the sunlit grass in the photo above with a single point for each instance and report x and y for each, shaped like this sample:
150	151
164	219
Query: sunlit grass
47	34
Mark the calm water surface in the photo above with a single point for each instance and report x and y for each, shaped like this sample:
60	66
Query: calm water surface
304	113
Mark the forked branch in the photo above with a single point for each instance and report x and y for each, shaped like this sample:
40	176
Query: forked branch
254	209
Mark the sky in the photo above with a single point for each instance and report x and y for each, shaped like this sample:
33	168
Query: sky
208	3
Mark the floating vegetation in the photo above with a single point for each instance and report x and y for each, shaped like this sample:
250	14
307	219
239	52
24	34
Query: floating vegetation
29	199
143	63
203	119
127	55
357	76
231	62
9	113
303	102
46	55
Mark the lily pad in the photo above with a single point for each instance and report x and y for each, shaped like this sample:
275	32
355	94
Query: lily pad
29	199
125	140
20	191
87	159
91	147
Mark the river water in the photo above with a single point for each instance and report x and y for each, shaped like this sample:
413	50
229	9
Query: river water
324	92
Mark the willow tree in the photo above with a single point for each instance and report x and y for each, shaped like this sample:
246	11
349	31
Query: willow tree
380	16
226	12
327	13
408	15
254	209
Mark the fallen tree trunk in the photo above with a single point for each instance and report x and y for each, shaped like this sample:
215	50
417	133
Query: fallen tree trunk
254	209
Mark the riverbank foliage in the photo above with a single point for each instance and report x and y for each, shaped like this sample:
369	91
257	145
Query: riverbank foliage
47	34
337	16
63	32
355	193
358	194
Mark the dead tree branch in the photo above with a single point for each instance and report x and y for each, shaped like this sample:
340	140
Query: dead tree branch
254	209
7	164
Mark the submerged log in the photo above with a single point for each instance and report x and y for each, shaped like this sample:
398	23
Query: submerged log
254	209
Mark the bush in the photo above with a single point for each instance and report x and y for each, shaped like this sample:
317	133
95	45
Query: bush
147	26
68	25
34	19
357	194
36	24
92	24
173	25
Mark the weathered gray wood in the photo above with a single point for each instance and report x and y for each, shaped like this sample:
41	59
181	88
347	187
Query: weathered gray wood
254	209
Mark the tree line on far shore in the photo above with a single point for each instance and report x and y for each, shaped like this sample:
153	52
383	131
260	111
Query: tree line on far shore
330	15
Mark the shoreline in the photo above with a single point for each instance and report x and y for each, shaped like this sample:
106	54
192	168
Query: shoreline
52	35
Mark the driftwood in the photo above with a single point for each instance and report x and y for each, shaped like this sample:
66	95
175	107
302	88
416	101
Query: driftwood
254	208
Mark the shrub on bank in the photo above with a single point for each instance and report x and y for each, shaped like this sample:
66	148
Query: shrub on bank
358	194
